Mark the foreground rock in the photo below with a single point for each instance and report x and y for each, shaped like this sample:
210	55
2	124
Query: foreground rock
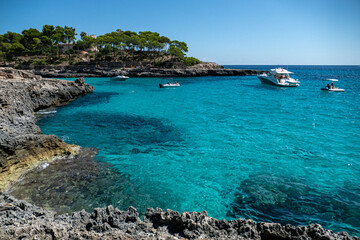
22	145
19	219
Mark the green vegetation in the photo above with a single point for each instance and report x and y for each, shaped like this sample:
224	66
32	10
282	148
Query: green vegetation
40	62
191	61
57	45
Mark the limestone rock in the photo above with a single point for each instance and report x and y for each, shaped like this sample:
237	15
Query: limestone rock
80	81
22	145
108	70
20	219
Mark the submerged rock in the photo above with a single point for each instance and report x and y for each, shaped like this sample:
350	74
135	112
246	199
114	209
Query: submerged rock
287	200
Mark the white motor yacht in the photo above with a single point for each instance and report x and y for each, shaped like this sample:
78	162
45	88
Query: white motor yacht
119	78
169	85
279	77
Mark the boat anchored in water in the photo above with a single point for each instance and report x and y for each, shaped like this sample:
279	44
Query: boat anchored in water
119	78
279	77
331	87
169	85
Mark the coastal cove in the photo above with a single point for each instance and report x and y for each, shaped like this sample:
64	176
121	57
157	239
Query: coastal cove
214	144
227	145
180	120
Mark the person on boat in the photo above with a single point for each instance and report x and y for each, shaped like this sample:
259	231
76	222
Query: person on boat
332	85
277	78
328	86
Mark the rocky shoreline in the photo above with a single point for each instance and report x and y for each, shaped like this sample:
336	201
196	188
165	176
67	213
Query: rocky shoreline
110	70
153	72
23	146
19	219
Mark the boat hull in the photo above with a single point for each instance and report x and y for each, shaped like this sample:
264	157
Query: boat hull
266	80
168	85
119	78
333	90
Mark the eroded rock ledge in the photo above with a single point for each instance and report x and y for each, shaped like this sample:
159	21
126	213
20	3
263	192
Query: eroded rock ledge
22	145
19	219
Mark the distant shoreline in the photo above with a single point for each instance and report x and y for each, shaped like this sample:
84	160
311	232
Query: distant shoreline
148	73
110	69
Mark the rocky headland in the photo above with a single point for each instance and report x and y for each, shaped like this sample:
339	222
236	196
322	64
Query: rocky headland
23	147
113	69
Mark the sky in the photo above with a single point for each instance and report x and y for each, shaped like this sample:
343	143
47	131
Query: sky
237	32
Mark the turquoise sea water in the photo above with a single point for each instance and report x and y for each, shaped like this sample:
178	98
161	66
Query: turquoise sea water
228	145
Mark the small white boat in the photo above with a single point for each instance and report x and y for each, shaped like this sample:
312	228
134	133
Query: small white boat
169	85
331	87
279	77
119	78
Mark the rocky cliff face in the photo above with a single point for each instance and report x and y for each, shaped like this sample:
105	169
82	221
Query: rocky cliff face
19	219
22	145
109	70
207	65
139	72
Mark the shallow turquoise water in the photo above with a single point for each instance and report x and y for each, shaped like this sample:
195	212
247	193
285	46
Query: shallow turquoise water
228	145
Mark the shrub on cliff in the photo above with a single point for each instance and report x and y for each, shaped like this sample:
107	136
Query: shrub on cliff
40	62
191	61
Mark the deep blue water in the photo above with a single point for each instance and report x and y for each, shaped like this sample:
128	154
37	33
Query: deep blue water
228	145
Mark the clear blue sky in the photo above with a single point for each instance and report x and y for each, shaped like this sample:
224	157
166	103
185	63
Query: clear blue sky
282	32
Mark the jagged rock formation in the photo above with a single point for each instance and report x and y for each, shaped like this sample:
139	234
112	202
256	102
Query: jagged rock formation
19	219
22	145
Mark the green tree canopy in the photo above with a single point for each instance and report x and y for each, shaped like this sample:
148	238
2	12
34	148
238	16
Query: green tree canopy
116	45
69	34
31	38
12	37
48	31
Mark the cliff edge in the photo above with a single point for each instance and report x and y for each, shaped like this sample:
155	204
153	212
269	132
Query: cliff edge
22	145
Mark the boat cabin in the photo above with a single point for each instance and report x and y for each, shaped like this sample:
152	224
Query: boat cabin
280	73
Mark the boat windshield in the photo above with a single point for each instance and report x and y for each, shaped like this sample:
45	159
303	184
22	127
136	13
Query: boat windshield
282	75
